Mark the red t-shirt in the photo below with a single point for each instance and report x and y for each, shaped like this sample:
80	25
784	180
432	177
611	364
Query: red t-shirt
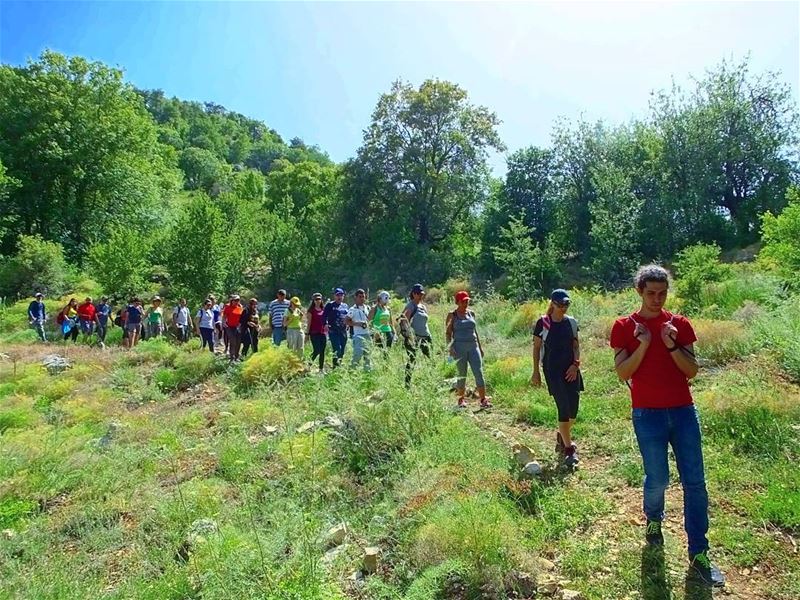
658	382
232	314
317	324
86	311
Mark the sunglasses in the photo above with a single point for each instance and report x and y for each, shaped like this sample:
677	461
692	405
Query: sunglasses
561	304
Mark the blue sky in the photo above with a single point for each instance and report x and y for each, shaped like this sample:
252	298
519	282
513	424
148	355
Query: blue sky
315	70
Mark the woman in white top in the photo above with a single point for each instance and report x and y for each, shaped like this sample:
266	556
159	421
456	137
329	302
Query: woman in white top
358	319
204	323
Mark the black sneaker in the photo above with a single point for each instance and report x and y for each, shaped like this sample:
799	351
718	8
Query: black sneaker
571	457
560	447
704	570
652	533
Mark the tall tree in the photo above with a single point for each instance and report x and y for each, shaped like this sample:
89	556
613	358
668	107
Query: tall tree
528	189
84	149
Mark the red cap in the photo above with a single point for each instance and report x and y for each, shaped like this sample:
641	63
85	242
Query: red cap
461	296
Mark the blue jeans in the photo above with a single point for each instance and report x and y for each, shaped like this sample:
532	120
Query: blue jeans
362	344
657	428
338	344
278	335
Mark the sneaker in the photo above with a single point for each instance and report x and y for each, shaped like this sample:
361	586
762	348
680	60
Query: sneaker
560	447
704	570
571	457
652	533
462	402
486	402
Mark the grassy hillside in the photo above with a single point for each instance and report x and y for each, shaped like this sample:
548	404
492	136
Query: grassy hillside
166	473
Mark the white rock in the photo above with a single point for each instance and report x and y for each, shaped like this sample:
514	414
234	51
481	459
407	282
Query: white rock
522	454
532	469
336	535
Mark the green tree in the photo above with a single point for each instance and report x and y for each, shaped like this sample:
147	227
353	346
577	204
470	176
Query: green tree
84	150
121	262
615	213
528	266
528	189
781	237
203	170
198	250
426	150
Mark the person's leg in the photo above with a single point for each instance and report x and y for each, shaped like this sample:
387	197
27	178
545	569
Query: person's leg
358	350
334	338
207	337
425	346
301	343
254	340
411	358
322	341
686	441
462	358
389	339
476	364
40	330
652	434
74	333
245	339
366	342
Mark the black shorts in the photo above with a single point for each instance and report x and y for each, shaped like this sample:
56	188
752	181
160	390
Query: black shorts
566	394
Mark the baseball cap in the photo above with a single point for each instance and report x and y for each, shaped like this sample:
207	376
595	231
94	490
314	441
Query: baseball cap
235	297
282	292
338	291
417	289
156	298
384	296
38	295
295	300
462	295
560	296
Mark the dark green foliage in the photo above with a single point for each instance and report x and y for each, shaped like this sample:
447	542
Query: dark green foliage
38	266
696	267
781	235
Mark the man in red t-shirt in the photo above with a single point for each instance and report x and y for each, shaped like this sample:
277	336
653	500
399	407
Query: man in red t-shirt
654	352
232	315
87	317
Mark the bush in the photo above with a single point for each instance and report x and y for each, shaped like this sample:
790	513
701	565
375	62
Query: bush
38	266
721	299
697	266
779	330
187	370
479	532
781	237
270	365
121	262
719	342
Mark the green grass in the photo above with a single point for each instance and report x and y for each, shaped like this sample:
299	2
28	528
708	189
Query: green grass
105	468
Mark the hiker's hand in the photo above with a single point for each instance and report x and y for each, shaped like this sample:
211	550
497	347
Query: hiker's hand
536	379
669	335
642	333
572	373
452	352
481	349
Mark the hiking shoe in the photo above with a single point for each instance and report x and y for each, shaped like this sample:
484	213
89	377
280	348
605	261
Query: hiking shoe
705	571
486	403
652	533
561	449
462	402
571	457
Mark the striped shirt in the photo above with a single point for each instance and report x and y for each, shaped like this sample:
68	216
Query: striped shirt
277	312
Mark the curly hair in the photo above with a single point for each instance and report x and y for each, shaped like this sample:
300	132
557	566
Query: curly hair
654	273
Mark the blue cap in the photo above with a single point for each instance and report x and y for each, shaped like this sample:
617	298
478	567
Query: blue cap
338	291
560	296
417	289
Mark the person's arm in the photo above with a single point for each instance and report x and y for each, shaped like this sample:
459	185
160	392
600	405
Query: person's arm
30	313
477	337
682	355
371	314
572	370
536	377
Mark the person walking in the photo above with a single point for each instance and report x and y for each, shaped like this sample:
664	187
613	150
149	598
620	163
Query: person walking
155	318
232	316
37	315
134	315
654	352
555	345
182	320
249	327
358	319
204	324
335	315
277	314
68	319
87	317
293	321
380	316
103	314
414	329
465	347
217	310
317	330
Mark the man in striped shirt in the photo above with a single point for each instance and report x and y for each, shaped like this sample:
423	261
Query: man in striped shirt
277	315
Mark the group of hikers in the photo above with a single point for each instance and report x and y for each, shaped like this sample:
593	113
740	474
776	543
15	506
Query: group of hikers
653	354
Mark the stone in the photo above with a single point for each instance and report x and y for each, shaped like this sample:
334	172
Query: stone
524	584
376	396
55	364
336	535
331	555
308	426
9	533
198	531
371	555
333	422
572	595
545	564
270	430
532	469
522	454
548	588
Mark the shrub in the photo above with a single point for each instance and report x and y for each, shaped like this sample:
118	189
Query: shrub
719	342
14	509
779	330
697	266
270	365
721	299
781	237
121	262
755	430
37	266
479	532
187	370
524	318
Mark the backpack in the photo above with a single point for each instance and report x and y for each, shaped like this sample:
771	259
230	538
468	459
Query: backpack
404	324
60	318
118	319
546	324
